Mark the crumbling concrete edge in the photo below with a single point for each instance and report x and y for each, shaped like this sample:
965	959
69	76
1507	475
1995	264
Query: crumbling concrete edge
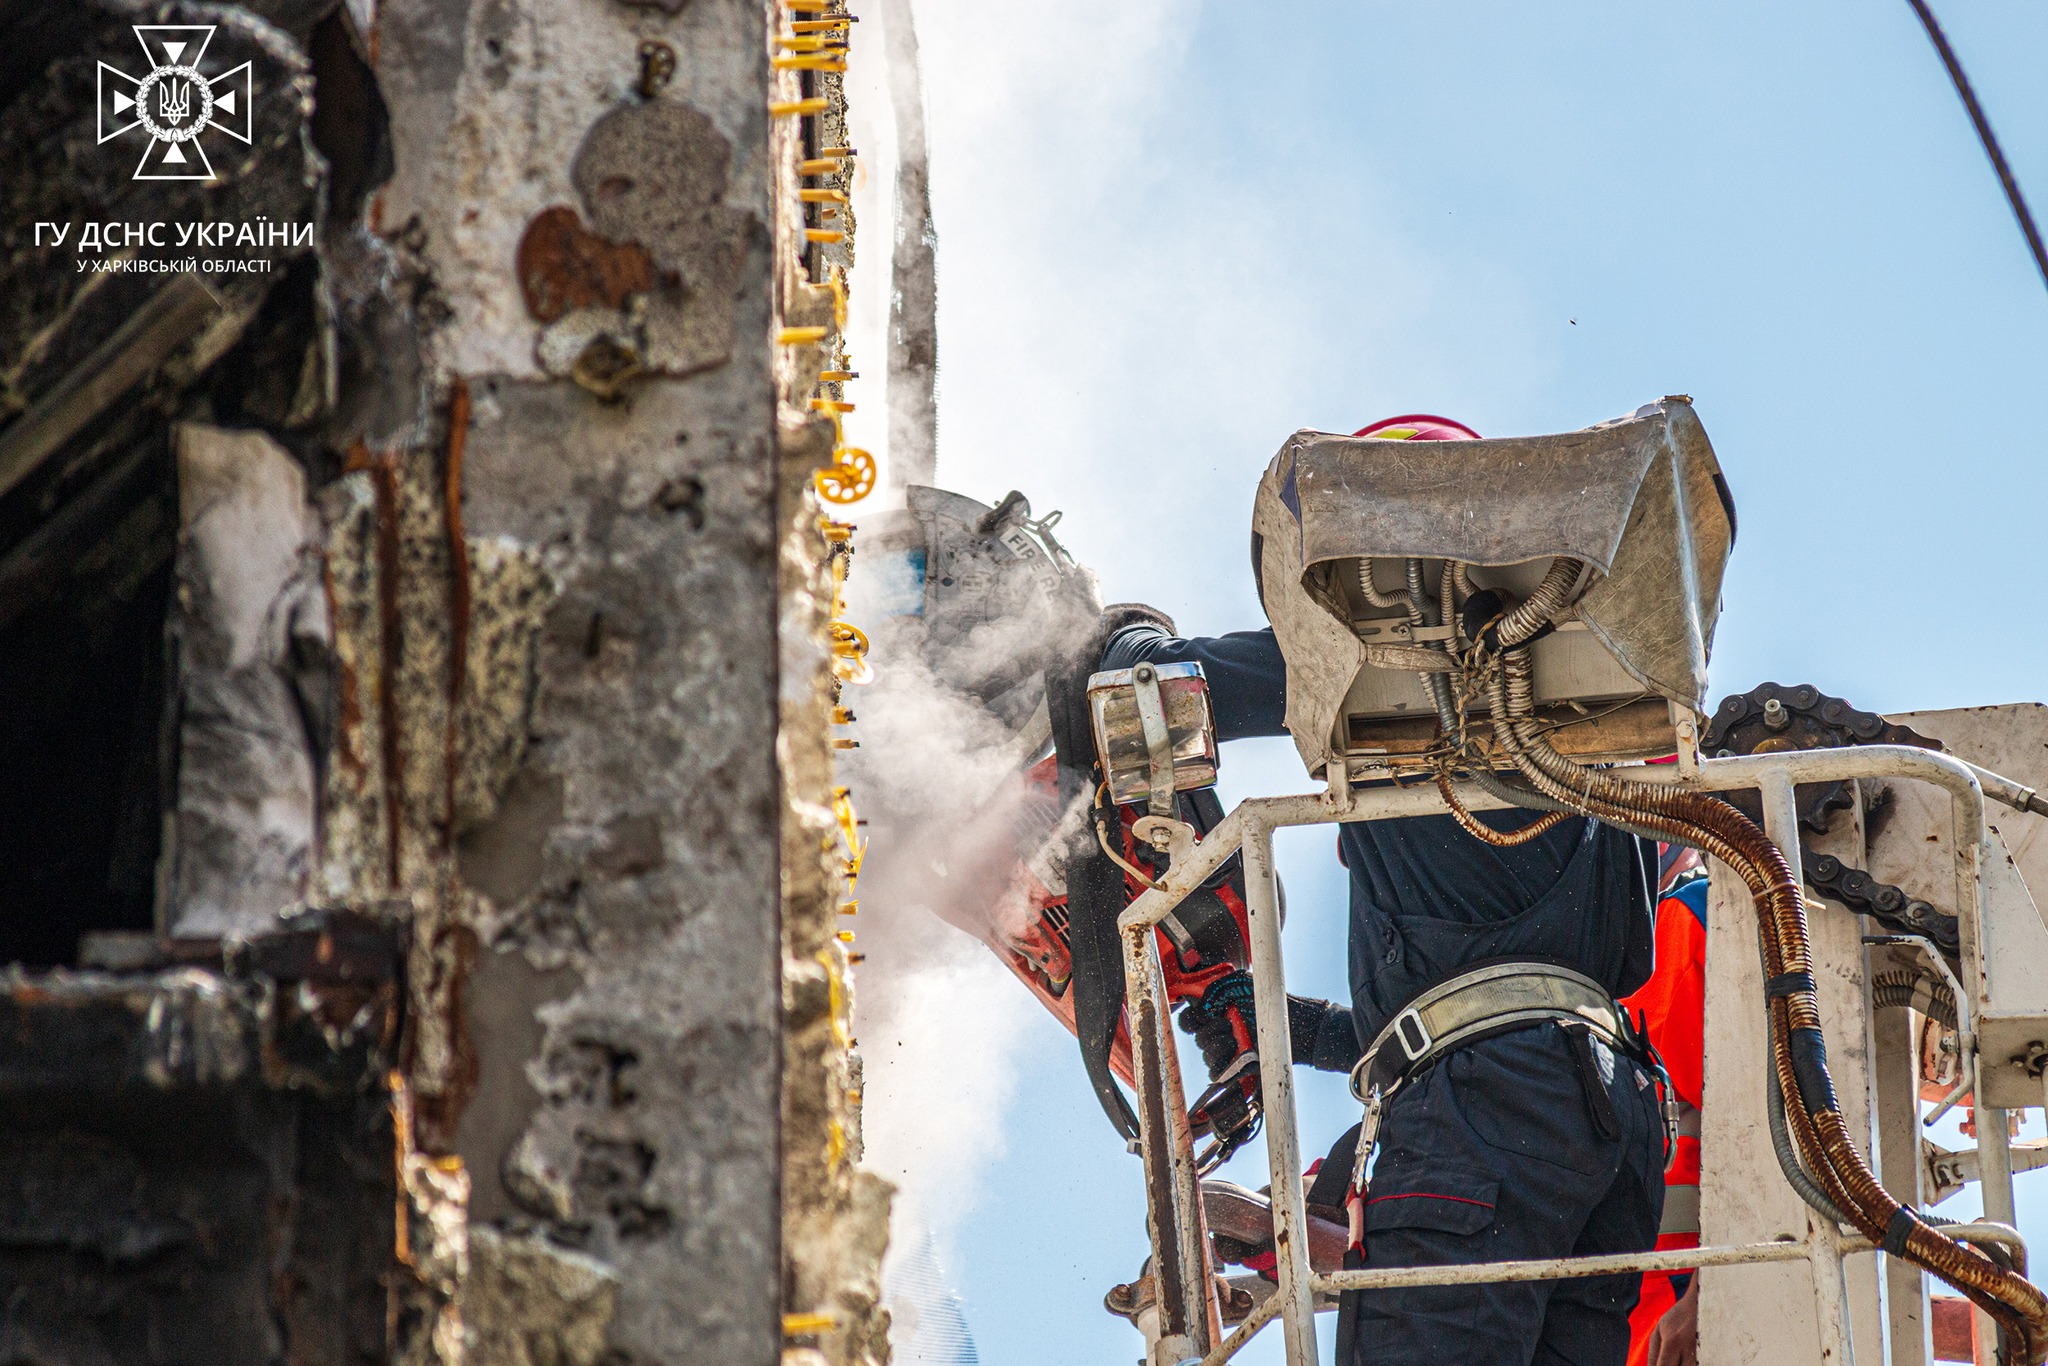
835	1214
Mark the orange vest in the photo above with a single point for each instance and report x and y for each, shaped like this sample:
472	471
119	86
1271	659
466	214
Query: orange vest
1673	1006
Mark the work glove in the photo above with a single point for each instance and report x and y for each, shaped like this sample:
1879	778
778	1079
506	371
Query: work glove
1320	1032
1223	1027
1222	1022
1321	1035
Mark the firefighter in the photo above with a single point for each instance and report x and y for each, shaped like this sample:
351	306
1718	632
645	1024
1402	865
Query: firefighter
1664	1329
1539	1139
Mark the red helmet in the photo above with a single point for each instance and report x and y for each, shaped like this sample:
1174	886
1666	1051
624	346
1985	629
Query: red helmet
1419	427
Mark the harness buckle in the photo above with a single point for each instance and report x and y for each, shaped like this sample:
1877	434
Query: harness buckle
1407	1020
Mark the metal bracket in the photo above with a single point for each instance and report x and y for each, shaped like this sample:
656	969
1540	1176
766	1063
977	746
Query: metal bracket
1687	725
1395	629
1158	741
1948	1172
1174	838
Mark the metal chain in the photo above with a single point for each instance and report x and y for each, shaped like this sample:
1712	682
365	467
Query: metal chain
1881	901
1774	719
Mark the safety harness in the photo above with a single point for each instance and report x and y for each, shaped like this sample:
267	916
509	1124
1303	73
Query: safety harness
1481	1003
1487	1001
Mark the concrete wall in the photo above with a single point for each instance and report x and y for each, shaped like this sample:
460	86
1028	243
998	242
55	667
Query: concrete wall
606	954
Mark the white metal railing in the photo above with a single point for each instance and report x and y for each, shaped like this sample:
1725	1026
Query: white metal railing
1189	1327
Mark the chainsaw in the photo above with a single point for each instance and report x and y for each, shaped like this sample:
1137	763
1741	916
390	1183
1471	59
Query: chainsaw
991	606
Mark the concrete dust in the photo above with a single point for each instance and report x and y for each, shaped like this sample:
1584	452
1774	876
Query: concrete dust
938	1016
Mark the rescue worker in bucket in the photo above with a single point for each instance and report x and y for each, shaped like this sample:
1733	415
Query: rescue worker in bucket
1535	1140
1672	1008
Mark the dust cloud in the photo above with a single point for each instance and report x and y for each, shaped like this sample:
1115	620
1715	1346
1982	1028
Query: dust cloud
939	1018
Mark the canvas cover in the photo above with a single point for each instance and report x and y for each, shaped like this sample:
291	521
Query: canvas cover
1640	498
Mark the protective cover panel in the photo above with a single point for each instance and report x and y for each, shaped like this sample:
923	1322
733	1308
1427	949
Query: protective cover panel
1636	498
986	597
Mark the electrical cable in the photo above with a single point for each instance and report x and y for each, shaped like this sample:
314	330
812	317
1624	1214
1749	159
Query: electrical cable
1397	598
1984	135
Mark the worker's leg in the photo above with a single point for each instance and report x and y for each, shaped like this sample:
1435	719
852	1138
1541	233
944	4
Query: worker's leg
1588	1320
1495	1154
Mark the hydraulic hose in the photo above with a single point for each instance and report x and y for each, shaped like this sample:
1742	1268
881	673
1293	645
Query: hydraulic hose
1418	601
1439	688
1550	598
1499	839
1788	1157
1515	795
1820	1149
1911	991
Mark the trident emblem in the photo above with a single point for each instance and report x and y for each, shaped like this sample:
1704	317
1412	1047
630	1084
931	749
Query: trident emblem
175	103
174	99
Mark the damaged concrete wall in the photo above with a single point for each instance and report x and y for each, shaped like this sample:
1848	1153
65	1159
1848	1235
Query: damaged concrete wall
499	619
580	200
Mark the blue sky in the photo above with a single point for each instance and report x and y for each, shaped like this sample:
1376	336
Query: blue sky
1173	233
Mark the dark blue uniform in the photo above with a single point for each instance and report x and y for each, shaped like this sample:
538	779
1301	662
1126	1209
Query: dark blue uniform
1494	1152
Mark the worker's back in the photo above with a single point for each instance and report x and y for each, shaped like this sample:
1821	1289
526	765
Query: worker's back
1428	900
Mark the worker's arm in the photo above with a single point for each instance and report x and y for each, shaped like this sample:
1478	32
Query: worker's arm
1248	692
1247	676
1321	1033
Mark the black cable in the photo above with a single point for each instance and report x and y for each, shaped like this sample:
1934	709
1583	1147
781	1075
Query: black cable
1984	134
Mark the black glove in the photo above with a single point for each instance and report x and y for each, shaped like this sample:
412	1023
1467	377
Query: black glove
1320	1032
1214	1021
1223	1026
1322	1035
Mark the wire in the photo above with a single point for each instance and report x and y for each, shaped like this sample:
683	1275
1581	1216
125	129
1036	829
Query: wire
1102	838
1984	135
1510	839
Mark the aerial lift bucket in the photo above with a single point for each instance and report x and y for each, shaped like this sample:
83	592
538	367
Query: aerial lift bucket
1618	535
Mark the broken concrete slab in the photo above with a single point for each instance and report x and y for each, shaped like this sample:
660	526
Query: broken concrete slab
250	638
